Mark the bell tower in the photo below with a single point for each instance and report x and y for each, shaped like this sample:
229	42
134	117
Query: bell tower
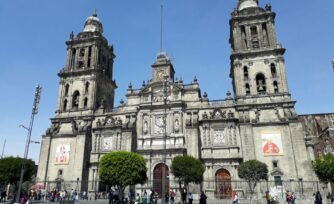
86	81
257	62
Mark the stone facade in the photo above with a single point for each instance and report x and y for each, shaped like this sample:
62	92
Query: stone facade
259	122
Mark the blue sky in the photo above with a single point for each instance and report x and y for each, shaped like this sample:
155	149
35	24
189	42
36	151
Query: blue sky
196	33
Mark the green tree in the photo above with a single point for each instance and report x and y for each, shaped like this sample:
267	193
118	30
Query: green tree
10	170
253	171
324	168
187	169
121	169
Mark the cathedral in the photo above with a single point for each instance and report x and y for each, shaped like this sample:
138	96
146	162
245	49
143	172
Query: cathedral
165	117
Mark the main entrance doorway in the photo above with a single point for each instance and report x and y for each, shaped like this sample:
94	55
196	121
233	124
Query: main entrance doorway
157	178
223	184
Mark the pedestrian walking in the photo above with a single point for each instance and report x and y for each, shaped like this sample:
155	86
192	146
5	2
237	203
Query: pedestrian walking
184	195
235	198
190	198
145	197
202	199
318	198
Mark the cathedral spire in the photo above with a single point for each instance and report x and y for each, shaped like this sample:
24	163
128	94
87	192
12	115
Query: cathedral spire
243	4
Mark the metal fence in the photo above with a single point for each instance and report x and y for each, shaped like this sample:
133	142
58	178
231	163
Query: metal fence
217	192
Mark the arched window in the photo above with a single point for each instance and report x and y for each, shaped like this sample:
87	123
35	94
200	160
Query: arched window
275	87
254	35
67	87
273	69
246	72
75	100
247	89
260	83
65	105
86	87
85	102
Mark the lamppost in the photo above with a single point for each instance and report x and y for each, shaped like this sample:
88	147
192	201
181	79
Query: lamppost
165	97
333	63
33	113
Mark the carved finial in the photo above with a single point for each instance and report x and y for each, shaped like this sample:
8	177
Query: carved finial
71	35
205	95
268	7
130	86
95	13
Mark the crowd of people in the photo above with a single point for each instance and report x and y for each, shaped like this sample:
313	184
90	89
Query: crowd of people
152	197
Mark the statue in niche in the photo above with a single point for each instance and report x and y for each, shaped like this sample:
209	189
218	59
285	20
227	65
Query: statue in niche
205	116
176	125
98	123
145	127
118	121
328	147
109	121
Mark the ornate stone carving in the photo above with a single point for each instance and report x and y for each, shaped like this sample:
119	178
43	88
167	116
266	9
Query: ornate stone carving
159	125
54	129
218	115
219	137
230	114
110	122
268	7
107	143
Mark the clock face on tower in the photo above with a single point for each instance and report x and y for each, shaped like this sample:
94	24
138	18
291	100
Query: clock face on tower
160	75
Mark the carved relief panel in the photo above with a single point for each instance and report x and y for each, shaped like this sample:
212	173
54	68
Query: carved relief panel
159	124
219	137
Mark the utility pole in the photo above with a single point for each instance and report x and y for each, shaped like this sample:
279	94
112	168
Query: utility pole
33	113
3	148
165	92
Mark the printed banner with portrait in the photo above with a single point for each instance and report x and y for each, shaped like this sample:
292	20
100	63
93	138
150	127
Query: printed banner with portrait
63	154
272	144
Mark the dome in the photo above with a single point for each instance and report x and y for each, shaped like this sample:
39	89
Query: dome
93	24
243	4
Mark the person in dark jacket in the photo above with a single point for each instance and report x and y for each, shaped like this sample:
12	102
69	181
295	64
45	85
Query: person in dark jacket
202	198
318	198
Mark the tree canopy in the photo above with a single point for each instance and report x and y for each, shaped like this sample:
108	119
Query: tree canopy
10	170
122	168
187	169
253	171
324	168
